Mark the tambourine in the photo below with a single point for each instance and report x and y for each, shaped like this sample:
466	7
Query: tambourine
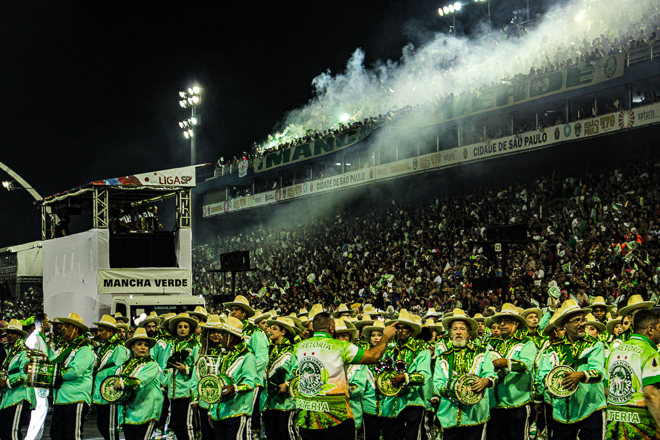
119	396
293	387
385	385
461	388
207	365
210	387
554	379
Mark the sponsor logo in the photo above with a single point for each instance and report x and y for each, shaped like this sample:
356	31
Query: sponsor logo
621	377
311	379
578	129
557	133
567	130
627	119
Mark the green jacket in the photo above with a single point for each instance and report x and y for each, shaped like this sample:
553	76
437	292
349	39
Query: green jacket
16	391
257	343
514	385
453	363
109	356
587	355
144	377
77	361
418	361
240	364
371	398
358	382
211	351
181	385
281	366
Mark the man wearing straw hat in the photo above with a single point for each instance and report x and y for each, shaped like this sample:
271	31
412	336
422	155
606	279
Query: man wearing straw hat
533	317
511	397
601	311
73	398
635	304
13	392
211	346
371	397
464	356
633	400
231	415
583	410
403	415
324	410
110	355
277	406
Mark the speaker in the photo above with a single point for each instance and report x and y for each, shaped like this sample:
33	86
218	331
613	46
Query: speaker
238	260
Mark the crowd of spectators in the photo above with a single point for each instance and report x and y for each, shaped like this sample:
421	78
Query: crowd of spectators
600	240
29	303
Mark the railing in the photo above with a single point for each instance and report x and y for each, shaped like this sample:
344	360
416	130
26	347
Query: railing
644	53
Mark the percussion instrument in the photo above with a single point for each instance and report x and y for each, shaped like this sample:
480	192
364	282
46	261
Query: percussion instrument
207	365
293	387
119	396
147	223
461	389
274	382
178	357
553	381
385	371
43	374
210	387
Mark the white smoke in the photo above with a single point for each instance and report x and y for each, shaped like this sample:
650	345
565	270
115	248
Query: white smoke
446	65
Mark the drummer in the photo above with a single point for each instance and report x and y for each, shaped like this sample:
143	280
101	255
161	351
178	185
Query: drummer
210	347
109	355
73	398
231	415
13	392
510	399
582	411
277	406
464	356
182	354
141	374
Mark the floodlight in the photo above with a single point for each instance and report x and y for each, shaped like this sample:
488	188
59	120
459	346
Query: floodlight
440	12
195	99
345	117
186	135
190	132
446	10
193	120
182	94
195	90
451	8
190	101
578	17
182	104
457	6
190	91
181	124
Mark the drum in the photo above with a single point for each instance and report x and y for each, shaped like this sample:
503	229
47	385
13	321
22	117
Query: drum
147	223
207	365
461	388
210	387
384	383
112	395
43	374
554	379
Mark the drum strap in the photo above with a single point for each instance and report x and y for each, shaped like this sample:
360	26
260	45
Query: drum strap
572	362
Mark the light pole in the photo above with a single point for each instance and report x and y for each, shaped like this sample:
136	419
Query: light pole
9	185
450	10
488	1
190	99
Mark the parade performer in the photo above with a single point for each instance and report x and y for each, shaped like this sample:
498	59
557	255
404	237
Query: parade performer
583	410
140	375
73	398
13	392
633	400
463	356
356	373
511	397
109	355
210	347
277	406
403	414
635	304
371	398
37	341
323	392
232	414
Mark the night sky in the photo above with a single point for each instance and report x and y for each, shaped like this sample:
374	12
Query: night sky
91	93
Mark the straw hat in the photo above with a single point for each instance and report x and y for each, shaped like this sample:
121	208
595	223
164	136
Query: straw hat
460	315
364	321
165	319
315	310
259	316
342	309
591	320
140	335
107	321
185	317
74	319
635	303
118	315
200	312
612	322
547	331
292	316
242	302
284	322
303	312
433	325
448	314
368	309
16	326
431	312
510	311
479	317
123	326
153	317
213	322
377	325
343	325
233	326
568	309
599	301
407	319
534	310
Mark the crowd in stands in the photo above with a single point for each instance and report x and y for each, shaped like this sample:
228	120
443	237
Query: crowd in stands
601	240
29	303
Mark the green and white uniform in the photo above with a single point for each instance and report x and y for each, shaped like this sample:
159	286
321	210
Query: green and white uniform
514	385
109	356
630	367
77	359
143	376
16	392
239	364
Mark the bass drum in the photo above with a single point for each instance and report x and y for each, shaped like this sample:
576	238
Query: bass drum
112	395
42	374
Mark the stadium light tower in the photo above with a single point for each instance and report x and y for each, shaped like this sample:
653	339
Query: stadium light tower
452	10
488	1
191	99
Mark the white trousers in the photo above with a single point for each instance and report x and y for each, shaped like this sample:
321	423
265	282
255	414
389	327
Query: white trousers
38	416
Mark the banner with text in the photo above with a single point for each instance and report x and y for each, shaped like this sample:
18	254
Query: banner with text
145	281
